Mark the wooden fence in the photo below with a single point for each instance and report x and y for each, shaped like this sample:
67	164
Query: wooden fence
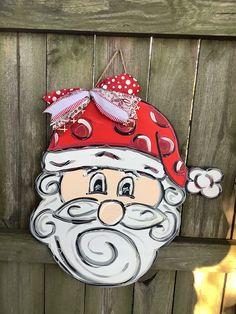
183	54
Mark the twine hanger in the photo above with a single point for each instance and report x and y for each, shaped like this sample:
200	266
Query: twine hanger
110	62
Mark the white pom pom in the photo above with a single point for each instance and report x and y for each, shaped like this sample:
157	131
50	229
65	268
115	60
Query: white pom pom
205	182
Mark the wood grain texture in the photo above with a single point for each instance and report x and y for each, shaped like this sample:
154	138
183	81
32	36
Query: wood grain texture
172	77
32	84
211	144
63	293
213	123
118	300
21	288
23	283
108	300
70	61
186	282
126	16
9	168
9	152
155	295
70	64
32	121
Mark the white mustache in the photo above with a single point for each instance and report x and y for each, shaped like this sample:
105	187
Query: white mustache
139	216
136	216
78	211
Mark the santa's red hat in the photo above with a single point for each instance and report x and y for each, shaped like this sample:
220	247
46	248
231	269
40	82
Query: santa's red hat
110	127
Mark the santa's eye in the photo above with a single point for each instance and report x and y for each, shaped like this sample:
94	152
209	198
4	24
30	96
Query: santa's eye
126	187
98	184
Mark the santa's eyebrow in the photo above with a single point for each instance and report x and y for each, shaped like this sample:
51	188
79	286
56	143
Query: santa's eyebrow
133	173
90	171
151	169
107	154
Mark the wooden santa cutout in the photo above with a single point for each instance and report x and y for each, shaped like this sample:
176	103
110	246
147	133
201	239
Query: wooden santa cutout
112	183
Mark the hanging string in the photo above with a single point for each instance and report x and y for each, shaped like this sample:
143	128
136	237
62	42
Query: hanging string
110	62
123	60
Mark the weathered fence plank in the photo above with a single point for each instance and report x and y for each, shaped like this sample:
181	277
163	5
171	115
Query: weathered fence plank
70	64
63	294
185	281
155	295
108	300
140	17
172	78
32	83
32	131
9	170
28	77
211	144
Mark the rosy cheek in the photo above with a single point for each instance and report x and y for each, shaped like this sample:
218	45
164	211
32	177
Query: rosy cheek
73	186
148	193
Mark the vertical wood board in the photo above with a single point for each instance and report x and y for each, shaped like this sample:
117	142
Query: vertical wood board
172	78
211	145
9	121
23	284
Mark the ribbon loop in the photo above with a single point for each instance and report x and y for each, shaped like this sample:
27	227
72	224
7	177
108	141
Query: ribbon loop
111	110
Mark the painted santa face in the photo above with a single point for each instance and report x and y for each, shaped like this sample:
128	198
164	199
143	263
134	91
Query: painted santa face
114	188
104	226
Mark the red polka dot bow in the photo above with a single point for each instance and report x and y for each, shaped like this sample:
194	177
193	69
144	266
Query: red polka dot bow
115	97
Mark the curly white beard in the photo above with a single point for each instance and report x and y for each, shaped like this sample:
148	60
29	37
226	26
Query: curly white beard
98	254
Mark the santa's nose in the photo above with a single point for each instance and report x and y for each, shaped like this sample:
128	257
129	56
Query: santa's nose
111	212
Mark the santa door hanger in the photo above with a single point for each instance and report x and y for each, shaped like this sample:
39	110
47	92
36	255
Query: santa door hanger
112	183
